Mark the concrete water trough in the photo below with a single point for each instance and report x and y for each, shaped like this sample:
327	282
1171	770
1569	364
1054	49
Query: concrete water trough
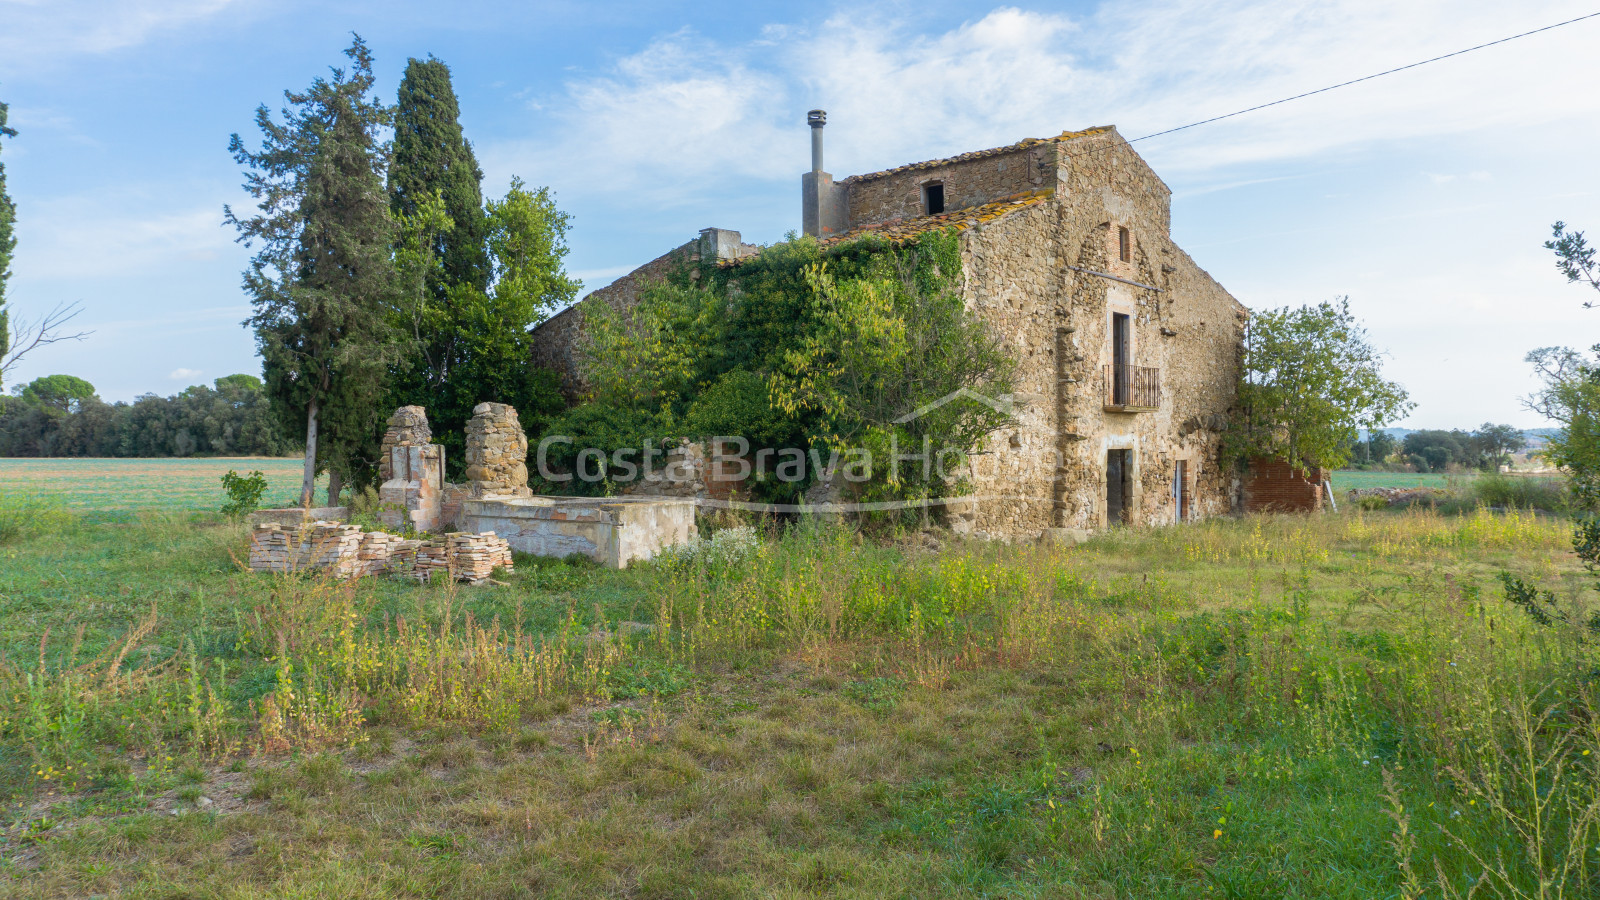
613	531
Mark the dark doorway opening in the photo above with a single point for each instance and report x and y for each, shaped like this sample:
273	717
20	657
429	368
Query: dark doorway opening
1119	486
933	198
1180	489
1120	357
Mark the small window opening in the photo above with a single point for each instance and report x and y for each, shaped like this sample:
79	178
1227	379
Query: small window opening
1124	245
933	198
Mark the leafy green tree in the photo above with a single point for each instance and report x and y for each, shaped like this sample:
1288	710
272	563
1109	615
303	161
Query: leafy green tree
1381	445
1435	450
484	332
64	393
1311	381
866	334
324	284
62	417
1496	443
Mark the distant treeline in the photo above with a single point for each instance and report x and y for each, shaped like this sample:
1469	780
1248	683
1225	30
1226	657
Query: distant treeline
1435	450
59	415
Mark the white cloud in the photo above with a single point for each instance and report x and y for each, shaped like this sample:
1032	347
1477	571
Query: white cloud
37	29
686	109
180	374
93	236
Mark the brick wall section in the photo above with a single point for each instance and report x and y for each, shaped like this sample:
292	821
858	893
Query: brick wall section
1273	485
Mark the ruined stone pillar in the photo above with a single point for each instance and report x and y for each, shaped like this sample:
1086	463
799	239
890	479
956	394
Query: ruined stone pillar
408	425
497	453
413	473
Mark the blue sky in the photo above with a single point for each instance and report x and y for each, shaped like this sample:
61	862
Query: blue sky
1424	196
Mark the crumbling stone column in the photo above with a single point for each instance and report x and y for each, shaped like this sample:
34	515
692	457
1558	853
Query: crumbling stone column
413	473
408	426
497	453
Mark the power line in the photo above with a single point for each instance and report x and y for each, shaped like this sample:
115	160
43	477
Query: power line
1334	87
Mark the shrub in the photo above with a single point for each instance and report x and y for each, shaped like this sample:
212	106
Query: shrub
1520	491
244	492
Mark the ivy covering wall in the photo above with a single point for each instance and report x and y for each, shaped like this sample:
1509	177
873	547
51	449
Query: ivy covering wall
800	347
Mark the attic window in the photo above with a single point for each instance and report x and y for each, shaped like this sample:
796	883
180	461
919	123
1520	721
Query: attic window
933	198
1124	245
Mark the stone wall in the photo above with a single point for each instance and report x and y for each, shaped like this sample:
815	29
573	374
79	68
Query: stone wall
1031	274
345	551
693	470
497	453
558	342
968	180
413	495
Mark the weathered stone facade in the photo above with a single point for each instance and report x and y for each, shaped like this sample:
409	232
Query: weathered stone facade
1128	352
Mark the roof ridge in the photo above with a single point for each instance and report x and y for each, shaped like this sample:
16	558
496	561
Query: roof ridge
1023	144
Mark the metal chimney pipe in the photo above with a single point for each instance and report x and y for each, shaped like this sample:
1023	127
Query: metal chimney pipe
816	119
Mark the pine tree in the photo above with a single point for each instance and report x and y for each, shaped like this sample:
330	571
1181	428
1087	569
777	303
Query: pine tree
324	284
8	241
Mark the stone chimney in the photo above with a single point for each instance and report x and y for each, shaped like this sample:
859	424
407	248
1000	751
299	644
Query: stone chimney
824	208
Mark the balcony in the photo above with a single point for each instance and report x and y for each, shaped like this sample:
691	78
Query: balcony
1131	389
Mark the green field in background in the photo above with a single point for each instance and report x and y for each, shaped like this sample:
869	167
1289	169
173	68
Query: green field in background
153	484
1349	481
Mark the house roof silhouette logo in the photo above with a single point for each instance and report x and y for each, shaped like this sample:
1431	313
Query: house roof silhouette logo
1004	404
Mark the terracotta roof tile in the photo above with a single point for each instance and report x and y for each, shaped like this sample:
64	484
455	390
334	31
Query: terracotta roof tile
981	154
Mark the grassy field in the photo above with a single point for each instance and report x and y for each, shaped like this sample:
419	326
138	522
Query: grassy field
1349	480
123	485
1344	706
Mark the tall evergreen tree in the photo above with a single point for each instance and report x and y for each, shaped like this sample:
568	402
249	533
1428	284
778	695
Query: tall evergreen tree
324	284
8	241
432	157
479	277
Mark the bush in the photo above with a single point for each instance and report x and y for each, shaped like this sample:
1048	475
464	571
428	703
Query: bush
244	492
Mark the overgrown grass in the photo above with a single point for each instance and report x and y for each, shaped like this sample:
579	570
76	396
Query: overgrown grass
1343	706
1521	492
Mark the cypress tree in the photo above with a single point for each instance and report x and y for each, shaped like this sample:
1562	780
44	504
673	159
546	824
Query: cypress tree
432	157
324	285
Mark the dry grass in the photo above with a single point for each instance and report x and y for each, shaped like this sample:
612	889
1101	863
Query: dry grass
1332	707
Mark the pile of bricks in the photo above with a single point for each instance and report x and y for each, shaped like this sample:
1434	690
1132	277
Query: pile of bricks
474	557
317	546
347	552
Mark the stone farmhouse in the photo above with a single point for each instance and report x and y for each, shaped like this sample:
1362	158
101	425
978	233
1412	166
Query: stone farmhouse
1128	352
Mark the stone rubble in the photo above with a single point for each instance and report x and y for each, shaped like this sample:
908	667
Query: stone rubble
347	552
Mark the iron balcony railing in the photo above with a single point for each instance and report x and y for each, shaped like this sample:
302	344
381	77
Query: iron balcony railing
1132	388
